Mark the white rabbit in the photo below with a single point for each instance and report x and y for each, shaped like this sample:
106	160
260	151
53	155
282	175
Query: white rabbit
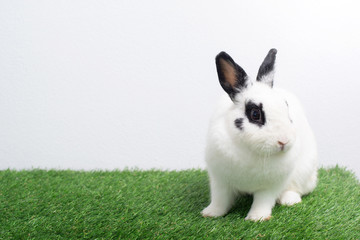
259	142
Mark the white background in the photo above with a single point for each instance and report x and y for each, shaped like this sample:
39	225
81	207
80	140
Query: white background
114	84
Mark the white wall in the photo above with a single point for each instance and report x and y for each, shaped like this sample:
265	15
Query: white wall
110	84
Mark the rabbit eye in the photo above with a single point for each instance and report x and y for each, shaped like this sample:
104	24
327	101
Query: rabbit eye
255	114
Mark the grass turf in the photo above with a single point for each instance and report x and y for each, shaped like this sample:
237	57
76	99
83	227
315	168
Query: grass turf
40	204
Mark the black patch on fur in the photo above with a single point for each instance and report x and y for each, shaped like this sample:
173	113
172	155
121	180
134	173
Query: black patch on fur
250	108
289	113
267	66
239	123
241	76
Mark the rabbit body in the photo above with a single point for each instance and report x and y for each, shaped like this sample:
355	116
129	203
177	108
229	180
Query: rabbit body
259	142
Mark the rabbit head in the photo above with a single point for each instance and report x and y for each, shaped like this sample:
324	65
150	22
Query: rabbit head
259	117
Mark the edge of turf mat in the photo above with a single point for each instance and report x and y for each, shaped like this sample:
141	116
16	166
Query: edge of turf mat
134	204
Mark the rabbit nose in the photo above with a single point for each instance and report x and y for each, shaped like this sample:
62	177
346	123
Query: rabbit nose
282	145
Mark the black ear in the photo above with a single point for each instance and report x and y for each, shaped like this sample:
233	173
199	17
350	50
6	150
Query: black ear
231	76
266	70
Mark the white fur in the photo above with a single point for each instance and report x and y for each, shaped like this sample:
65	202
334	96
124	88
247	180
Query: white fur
251	160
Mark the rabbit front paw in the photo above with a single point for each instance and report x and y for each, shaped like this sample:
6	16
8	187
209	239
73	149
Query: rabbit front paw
212	211
258	216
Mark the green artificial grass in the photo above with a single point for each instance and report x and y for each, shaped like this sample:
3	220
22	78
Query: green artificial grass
40	204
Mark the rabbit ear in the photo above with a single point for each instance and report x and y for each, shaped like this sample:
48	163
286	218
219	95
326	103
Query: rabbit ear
266	70
231	76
